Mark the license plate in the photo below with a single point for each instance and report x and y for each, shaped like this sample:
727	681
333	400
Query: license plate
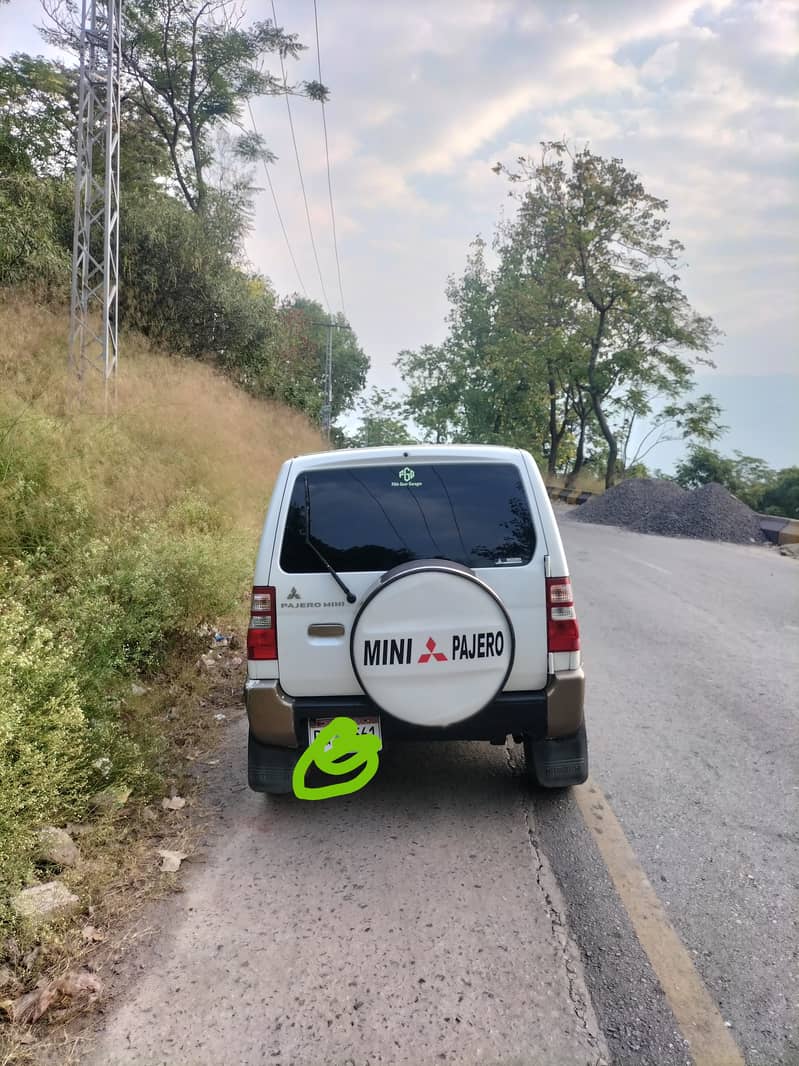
371	726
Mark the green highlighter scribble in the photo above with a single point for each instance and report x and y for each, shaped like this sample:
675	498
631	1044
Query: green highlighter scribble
344	739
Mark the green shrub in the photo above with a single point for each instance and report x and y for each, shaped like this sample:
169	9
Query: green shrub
87	603
31	248
43	730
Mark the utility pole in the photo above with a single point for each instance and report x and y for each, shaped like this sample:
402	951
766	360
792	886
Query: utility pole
327	406
95	251
327	375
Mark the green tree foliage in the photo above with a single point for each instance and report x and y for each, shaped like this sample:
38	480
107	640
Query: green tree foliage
191	66
781	497
382	421
617	309
302	346
695	420
478	384
703	465
31	251
751	479
36	119
184	281
38	109
578	335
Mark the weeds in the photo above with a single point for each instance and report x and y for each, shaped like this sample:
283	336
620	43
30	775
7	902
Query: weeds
120	539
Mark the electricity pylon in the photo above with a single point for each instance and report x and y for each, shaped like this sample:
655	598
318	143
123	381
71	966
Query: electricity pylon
93	332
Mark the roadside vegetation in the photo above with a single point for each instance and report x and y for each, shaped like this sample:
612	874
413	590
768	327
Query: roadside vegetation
126	541
121	542
751	480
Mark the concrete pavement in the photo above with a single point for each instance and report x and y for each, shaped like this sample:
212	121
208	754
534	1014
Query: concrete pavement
419	921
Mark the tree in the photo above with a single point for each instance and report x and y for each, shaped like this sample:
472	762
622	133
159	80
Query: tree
191	66
703	465
477	385
695	420
621	298
747	477
38	109
382	420
782	495
433	392
350	362
535	299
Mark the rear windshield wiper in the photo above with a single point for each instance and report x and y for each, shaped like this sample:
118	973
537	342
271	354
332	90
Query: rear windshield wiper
315	550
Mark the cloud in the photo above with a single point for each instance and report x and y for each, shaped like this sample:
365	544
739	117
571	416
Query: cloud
461	139
697	96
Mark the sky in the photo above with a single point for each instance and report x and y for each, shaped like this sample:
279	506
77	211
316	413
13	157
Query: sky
700	99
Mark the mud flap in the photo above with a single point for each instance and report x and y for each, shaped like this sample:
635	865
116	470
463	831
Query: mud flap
557	762
269	769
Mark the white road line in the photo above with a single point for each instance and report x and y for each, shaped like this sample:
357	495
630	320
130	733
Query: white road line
643	562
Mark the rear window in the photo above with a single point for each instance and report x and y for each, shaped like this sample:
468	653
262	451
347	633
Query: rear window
376	517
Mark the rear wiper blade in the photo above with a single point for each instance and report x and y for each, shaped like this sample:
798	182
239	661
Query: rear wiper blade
315	550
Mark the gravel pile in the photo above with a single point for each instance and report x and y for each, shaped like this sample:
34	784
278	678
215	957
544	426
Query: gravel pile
630	503
648	505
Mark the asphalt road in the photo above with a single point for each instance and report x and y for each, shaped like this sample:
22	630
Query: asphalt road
692	651
445	915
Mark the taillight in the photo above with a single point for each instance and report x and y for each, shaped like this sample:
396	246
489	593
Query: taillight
262	630
563	633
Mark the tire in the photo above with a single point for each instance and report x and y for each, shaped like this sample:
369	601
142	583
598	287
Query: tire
270	769
557	763
432	644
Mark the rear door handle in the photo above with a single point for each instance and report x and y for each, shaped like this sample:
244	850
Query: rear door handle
326	629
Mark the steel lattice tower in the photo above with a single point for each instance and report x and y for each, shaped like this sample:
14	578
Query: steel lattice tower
93	335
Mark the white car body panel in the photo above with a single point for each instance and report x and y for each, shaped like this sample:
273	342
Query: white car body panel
311	665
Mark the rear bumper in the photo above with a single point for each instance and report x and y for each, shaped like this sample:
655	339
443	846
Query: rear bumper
556	711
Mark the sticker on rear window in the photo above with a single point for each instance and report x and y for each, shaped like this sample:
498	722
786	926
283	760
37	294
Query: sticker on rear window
406	479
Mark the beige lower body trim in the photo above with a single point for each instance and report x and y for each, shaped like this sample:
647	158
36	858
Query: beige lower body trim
271	713
565	698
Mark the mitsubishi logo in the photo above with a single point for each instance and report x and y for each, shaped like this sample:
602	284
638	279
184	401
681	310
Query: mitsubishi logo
439	656
294	595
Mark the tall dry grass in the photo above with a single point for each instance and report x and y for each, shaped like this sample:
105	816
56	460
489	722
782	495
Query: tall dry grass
177	424
123	536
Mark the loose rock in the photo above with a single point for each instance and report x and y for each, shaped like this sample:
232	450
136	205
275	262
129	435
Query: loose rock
45	903
171	860
56	846
630	502
707	513
111	798
650	505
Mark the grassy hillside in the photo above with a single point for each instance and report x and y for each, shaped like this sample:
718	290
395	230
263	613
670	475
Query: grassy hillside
119	538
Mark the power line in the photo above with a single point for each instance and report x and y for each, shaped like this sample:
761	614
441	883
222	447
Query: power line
277	206
299	169
327	159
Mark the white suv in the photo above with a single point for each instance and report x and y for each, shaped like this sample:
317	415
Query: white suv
424	593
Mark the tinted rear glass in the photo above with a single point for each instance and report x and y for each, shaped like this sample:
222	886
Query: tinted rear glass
376	517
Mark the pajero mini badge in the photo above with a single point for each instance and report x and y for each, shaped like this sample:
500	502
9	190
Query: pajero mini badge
390	651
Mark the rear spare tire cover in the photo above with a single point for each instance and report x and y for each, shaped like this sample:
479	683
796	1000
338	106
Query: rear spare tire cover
432	644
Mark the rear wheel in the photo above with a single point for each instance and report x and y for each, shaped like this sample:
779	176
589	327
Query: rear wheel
557	762
270	769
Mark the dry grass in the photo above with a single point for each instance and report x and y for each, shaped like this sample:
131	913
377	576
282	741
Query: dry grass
179	424
179	429
586	482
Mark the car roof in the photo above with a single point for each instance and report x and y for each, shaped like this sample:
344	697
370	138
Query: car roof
409	453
